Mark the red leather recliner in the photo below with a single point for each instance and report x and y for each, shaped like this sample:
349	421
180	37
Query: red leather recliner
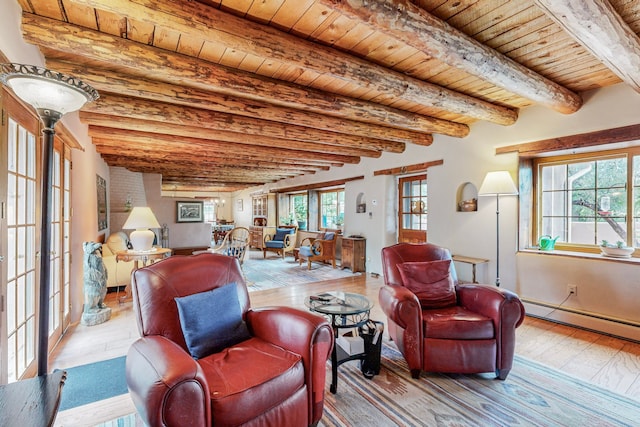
276	377
475	335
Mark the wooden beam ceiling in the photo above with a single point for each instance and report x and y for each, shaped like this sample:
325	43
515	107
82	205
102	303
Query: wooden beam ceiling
221	96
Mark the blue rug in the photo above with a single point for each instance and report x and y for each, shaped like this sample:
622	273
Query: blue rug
92	382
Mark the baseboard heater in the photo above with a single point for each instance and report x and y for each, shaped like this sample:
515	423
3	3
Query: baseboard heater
584	313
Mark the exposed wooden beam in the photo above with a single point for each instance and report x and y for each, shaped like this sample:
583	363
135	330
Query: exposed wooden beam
168	142
175	68
419	167
113	81
597	26
589	139
210	24
113	105
317	185
405	21
126	123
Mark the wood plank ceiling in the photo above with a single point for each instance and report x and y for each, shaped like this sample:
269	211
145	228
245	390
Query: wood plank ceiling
223	95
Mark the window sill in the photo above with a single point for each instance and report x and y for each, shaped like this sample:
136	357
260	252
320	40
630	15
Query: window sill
583	255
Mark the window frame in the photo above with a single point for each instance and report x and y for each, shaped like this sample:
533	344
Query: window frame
321	206
536	194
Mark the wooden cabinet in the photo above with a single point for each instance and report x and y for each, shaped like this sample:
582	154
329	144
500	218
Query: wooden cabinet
256	235
354	254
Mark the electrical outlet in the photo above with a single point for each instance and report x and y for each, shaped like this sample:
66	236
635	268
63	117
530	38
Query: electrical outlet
572	289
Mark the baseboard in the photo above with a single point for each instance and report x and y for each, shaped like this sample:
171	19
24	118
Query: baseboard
619	328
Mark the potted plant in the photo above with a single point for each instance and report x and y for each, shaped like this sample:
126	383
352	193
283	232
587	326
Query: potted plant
301	216
618	249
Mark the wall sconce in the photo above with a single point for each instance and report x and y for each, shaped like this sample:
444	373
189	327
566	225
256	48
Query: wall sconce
53	95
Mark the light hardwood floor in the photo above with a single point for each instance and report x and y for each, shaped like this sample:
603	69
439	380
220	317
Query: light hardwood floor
609	362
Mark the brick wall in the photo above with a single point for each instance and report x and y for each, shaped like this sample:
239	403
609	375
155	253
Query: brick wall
124	184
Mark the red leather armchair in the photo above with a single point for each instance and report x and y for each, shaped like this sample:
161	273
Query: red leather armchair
476	334
275	377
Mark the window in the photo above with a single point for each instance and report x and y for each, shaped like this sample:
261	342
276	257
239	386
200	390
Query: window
586	199
332	209
298	207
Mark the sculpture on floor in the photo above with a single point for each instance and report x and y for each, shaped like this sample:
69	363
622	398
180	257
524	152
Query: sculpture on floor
95	286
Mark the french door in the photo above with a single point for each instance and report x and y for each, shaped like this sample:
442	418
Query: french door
20	175
412	209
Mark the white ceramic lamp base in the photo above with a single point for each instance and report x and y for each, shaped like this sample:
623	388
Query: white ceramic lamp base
142	239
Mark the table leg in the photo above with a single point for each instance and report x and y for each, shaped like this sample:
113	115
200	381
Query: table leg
334	371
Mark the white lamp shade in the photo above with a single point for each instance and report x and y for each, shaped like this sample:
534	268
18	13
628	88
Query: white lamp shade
45	89
498	183
141	219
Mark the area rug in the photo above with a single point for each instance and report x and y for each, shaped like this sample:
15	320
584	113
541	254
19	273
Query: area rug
532	395
275	272
92	382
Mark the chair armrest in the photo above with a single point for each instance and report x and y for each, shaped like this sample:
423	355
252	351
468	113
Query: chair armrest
290	241
300	332
166	384
309	241
501	305
401	305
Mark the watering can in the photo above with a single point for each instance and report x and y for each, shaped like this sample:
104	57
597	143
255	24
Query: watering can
546	243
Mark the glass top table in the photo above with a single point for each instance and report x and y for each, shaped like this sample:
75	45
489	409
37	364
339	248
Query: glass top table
339	303
345	310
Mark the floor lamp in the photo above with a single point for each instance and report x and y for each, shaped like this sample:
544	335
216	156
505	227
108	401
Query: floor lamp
498	183
52	95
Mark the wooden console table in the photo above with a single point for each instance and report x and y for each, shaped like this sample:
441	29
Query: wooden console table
470	260
31	402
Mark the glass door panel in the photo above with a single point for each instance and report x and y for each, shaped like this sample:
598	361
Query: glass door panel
412	211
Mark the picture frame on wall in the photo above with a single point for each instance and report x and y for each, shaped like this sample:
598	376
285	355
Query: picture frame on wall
240	205
101	186
189	211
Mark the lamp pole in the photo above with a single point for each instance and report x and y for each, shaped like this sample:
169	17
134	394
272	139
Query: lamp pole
48	134
498	240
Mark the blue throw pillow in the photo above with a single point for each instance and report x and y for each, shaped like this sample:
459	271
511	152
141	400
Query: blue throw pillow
212	321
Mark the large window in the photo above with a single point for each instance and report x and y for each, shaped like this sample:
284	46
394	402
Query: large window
587	199
332	209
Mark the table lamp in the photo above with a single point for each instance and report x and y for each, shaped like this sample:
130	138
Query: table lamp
141	219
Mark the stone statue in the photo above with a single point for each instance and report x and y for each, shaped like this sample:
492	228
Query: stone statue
95	286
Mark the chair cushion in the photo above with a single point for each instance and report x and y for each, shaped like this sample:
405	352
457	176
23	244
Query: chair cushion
456	323
329	235
206	333
276	244
431	282
306	251
250	378
281	233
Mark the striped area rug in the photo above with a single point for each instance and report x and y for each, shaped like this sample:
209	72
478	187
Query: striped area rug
532	395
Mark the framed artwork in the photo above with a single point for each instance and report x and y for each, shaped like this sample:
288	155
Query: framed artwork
240	205
101	186
189	212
